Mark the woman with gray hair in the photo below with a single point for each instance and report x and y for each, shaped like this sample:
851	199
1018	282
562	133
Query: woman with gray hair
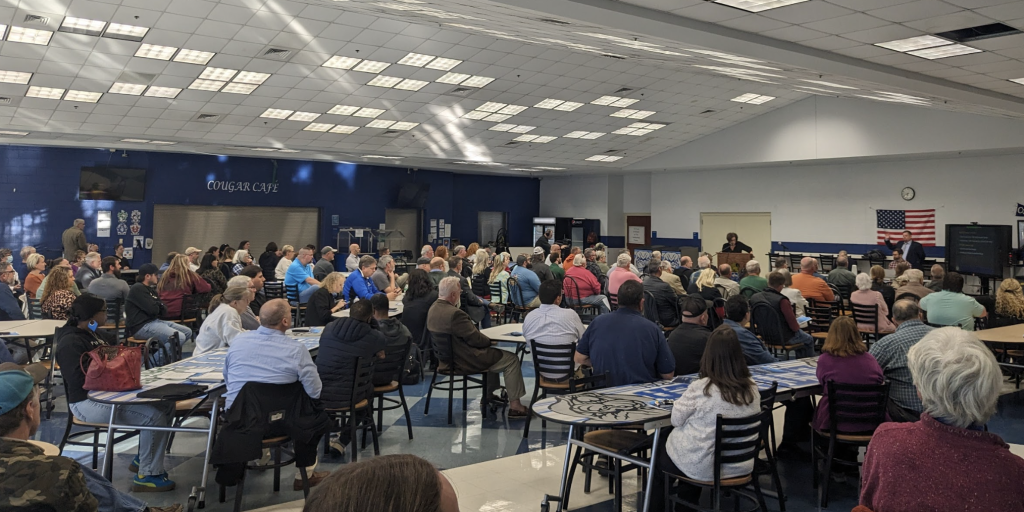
250	321
865	296
946	461
225	320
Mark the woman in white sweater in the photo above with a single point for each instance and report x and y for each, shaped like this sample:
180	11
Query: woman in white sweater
224	322
725	388
287	254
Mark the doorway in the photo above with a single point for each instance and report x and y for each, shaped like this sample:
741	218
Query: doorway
488	225
753	229
638	232
405	229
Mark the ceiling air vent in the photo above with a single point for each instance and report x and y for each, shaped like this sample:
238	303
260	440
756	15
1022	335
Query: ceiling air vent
391	133
513	143
36	19
620	57
709	111
462	91
275	53
554	21
207	118
133	77
966	35
5	101
623	90
612	151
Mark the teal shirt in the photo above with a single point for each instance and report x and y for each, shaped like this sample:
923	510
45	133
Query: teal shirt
949	308
756	282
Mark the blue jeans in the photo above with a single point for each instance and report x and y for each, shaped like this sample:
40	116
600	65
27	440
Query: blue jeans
109	498
597	300
304	295
807	344
163	330
151	444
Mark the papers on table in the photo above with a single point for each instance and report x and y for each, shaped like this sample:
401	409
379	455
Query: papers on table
176	376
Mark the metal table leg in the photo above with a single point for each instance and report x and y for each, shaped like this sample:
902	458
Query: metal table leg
651	470
565	476
108	451
209	449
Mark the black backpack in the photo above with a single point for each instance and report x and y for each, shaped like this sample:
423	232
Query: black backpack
413	371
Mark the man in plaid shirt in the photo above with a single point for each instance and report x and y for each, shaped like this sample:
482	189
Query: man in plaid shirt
891	352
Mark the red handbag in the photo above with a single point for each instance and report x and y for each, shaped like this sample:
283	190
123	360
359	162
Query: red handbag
113	369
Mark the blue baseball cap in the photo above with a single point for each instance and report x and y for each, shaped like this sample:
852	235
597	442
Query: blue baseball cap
16	383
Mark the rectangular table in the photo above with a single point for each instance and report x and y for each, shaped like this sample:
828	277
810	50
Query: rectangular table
629	405
179	372
1011	334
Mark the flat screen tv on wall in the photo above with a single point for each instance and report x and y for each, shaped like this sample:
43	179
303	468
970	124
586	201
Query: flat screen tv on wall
112	184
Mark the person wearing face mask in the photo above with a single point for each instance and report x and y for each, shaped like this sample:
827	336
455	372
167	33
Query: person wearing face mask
80	335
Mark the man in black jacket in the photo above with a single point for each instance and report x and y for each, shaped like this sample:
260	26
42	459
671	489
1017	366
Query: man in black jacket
664	296
544	242
395	334
475	306
689	338
143	310
913	251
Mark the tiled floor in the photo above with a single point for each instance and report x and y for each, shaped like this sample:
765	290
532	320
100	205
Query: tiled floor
492	467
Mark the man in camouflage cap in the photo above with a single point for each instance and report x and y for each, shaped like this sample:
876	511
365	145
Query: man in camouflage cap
31	480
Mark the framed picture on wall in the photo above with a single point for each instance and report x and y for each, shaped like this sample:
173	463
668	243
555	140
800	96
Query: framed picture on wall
447	242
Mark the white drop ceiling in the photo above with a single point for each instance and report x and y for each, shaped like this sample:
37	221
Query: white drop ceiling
503	86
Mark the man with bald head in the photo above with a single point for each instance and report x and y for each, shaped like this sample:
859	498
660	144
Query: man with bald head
810	286
352	261
555	249
938	273
724	279
437	272
685	269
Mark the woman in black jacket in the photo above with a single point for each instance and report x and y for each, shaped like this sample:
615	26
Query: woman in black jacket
268	261
322	304
79	336
418	298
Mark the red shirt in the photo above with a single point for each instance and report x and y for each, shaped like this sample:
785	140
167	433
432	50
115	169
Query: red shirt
929	466
586	281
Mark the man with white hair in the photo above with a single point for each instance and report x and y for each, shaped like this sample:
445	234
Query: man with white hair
472	349
938	274
555	249
90	269
621	273
384	277
810	286
891	353
656	255
685	269
753	279
703	262
193	258
947	460
427	252
724	279
73	239
915	285
670	278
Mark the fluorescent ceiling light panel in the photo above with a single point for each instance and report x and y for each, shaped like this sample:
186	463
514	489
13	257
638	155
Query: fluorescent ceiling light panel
48	93
754	99
626	112
136	141
453	78
603	158
369	112
264	149
343	110
477	81
163	92
251	77
411	85
379	123
371	66
340	62
550	168
15	77
343	129
83	96
914	43
758	5
153	51
1017	80
404	125
497	118
13	133
476	115
222	74
318	127
624	131
544	139
3	30
130	32
383	157
276	113
575	135
192	56
162	142
29	36
624	102
593	135
206	85
501	127
82	26
443	64
522	129
237	88
569	106
492	106
827	84
512	110
941	52
123	88
525	138
303	116
614	101
384	81
288	151
549	103
416	59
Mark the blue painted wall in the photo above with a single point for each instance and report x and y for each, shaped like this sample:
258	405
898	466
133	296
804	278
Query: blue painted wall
39	189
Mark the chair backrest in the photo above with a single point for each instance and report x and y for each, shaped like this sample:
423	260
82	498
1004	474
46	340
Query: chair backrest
843	289
291	291
722	291
716	313
738	441
553	362
115	312
865	314
862	404
650	311
35	309
571	293
768	395
362	380
748	291
394	360
820	315
190	306
516	292
765	321
442	346
603	281
794	262
273	290
613	299
497	289
828	262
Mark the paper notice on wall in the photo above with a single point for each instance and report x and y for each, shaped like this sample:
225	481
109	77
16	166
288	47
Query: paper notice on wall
636	234
103	223
149	243
359	233
447	230
139	242
129	253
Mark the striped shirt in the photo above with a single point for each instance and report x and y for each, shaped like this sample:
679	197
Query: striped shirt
891	353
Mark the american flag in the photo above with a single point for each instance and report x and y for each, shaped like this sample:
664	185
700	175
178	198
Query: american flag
920	223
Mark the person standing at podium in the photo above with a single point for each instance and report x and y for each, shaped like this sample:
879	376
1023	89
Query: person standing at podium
734	245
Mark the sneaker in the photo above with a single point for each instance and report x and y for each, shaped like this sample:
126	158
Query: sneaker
134	466
170	508
152	483
336	446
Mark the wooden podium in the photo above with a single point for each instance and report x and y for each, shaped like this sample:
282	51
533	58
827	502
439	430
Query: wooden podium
734	259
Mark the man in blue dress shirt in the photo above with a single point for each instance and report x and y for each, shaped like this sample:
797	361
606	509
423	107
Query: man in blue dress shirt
528	282
359	285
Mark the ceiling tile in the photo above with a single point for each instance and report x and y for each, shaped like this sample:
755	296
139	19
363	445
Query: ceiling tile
807	12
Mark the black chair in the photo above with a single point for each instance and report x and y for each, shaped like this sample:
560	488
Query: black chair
820	320
847	403
794	262
768	465
35	309
273	290
828	262
556	360
843	289
356	410
867	314
618	441
85	428
189	315
765	322
737	441
571	288
519	308
115	318
393	368
500	289
613	300
292	294
650	311
454	376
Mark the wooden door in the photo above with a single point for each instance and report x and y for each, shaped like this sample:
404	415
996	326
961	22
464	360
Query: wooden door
635	223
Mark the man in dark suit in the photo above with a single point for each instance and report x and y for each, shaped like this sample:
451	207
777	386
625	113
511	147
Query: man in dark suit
475	306
664	297
685	270
913	252
472	349
544	242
